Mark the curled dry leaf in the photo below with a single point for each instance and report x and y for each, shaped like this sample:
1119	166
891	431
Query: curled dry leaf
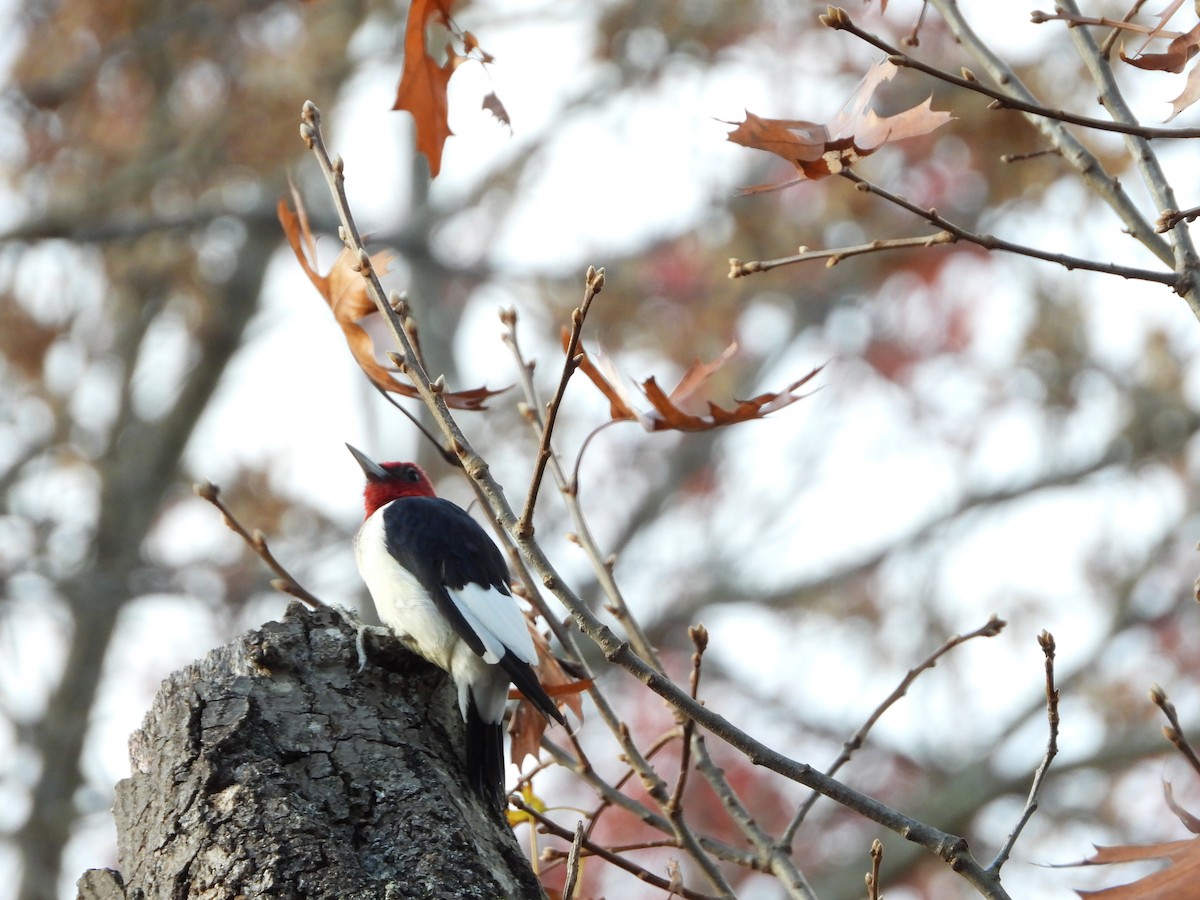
818	150
345	290
424	81
666	413
1178	52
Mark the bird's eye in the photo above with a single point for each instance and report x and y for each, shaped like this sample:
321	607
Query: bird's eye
411	474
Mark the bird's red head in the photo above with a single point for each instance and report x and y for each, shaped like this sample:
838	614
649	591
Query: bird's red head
390	481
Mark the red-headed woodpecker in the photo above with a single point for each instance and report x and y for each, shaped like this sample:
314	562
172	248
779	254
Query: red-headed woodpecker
441	585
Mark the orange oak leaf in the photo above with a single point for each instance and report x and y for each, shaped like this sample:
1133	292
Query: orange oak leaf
818	150
666	413
345	290
422	88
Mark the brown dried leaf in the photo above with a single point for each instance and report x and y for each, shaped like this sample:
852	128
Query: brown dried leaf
818	150
1190	821
666	414
1190	94
698	373
422	88
345	290
492	104
1178	52
1176	882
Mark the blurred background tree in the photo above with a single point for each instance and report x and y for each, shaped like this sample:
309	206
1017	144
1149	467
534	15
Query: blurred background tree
992	433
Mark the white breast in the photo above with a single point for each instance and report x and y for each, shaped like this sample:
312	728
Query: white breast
401	602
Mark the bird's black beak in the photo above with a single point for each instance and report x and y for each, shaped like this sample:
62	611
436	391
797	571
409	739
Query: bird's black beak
371	469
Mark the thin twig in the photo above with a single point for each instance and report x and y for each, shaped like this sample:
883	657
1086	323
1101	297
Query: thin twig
699	636
1089	167
657	789
839	20
873	875
613	797
1169	218
1032	154
1174	731
1106	47
619	861
1184	255
772	856
257	541
991	628
574	865
445	454
739	269
654	784
602	564
913	38
593	284
606	798
1037	17
991	242
1046	642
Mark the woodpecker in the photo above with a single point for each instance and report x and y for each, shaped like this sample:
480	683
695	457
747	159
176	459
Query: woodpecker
441	585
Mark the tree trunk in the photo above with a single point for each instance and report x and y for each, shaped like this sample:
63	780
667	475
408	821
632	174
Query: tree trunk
274	767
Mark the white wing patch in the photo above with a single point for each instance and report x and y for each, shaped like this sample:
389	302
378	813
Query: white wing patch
497	620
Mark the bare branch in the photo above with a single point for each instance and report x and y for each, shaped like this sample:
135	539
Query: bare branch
699	636
1186	260
1169	218
602	564
1046	642
1087	164
611	795
1037	17
1002	99
1174	731
739	269
991	628
616	859
772	856
572	877
593	284
991	242
873	875
257	541
1106	47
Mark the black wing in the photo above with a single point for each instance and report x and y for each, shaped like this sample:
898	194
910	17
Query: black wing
444	547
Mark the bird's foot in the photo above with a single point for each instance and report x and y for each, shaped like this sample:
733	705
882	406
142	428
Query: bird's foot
360	629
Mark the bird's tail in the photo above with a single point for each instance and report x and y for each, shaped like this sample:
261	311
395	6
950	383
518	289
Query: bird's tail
526	681
485	758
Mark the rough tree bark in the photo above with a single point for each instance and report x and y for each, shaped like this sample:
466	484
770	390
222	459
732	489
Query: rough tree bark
274	768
